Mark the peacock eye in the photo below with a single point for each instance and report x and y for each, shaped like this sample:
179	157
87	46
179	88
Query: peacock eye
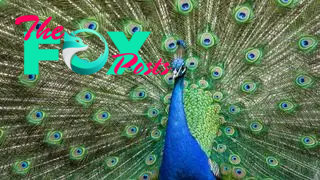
304	81
272	161
167	99
32	77
229	130
192	63
243	14
285	3
256	127
101	116
78	153
169	44
54	137
111	162
141	94
253	55
135	29
104	115
87	96
38	25
36	117
138	93
132	27
221	148
217	96
169	78
77	41
153	112
208	39
234	159
24	164
39	114
29	80
216	72
306	140
301	80
172	45
307	43
155	134
284	105
238	172
287	106
129	69
145	176
225	169
21	167
248	86
234	109
150	159
131	131
184	6
91	25
309	141
304	43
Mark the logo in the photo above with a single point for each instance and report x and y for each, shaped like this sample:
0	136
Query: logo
128	57
73	45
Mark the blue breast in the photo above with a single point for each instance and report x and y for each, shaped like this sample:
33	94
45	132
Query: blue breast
183	157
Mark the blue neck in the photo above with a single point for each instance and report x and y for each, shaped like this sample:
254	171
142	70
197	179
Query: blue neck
182	155
177	117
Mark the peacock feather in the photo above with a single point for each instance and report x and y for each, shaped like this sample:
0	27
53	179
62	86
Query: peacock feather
241	102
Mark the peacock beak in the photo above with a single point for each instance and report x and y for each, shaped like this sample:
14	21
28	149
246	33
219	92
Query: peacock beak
179	72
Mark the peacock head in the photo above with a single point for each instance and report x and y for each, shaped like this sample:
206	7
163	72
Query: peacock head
178	67
178	64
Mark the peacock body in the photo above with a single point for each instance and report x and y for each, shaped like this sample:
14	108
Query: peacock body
246	106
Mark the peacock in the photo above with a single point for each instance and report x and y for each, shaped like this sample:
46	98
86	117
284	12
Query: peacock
241	101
